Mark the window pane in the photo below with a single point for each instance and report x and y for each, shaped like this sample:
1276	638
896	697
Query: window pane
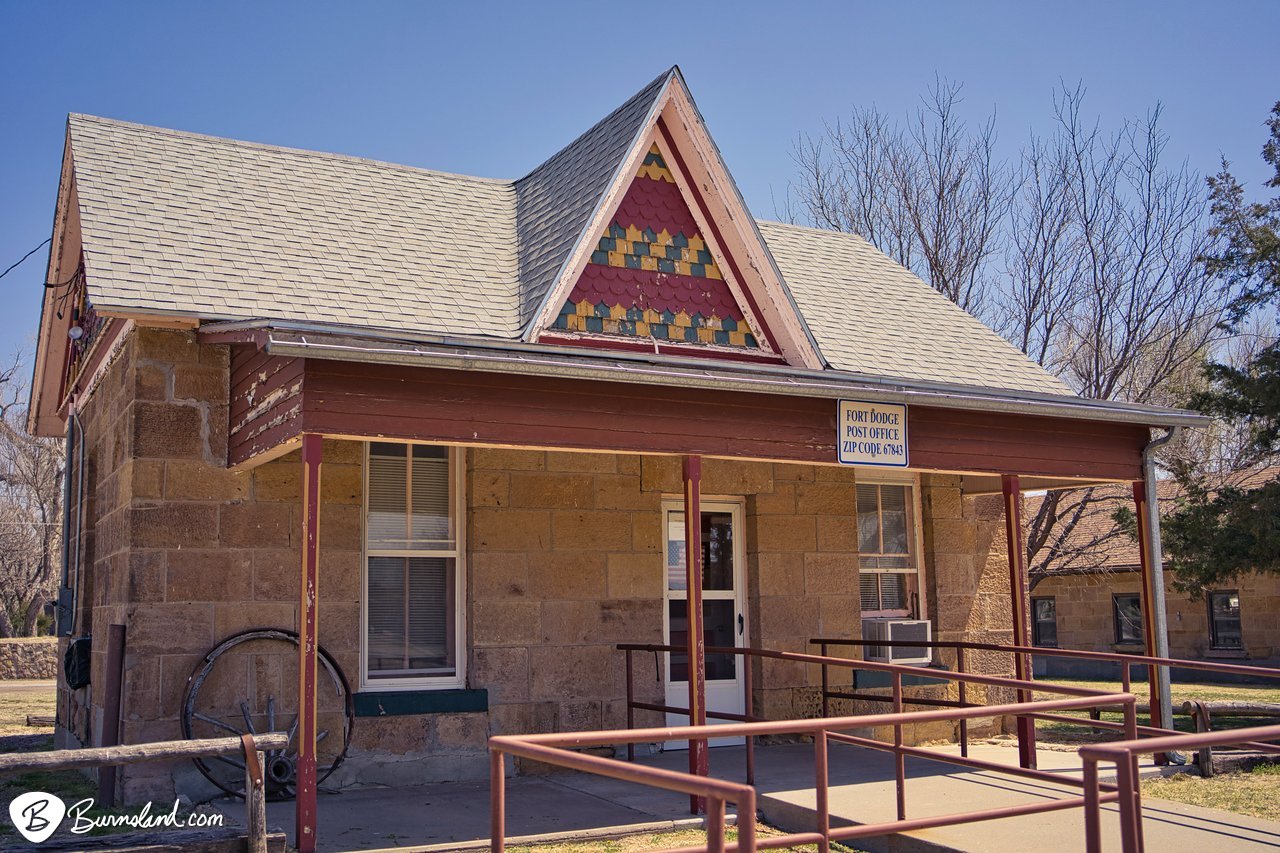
868	499
410	616
675	551
1224	615
717	550
430	529
893	592
1044	626
1128	618
388	498
869	589
719	628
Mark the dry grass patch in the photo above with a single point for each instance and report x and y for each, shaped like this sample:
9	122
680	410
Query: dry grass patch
1255	793
15	705
661	841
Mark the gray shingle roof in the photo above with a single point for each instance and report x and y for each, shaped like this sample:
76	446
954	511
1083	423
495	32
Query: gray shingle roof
870	315
223	229
555	201
176	222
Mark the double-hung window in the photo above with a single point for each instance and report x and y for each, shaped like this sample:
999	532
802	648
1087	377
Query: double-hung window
1224	620
1126	610
413	597
888	561
1044	622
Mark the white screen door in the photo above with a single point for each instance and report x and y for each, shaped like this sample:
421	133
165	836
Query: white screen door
724	619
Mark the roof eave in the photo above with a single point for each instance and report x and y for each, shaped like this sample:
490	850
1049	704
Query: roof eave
309	340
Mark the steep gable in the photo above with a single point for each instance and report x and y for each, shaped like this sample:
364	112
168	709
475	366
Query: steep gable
672	261
653	277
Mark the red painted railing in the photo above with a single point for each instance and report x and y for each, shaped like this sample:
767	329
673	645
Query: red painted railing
558	749
1128	791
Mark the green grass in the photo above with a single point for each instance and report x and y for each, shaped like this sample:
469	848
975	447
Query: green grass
1068	734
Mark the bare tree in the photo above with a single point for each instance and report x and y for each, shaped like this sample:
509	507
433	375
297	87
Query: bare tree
30	512
1087	254
932	195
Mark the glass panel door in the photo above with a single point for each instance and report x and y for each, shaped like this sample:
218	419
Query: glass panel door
723	616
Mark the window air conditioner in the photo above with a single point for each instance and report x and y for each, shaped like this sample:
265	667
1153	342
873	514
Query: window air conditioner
897	630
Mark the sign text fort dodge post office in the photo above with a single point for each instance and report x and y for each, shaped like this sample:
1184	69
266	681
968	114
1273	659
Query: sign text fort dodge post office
872	433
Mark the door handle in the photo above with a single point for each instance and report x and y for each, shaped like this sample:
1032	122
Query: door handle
741	624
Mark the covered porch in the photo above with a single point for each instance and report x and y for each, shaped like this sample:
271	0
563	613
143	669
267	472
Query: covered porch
294	390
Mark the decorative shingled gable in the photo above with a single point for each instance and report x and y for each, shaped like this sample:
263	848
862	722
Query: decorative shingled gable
653	276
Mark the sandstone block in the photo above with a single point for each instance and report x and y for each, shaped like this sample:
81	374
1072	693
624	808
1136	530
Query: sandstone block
504	671
586	463
489	488
505	622
173	525
595	530
217	575
255	525
167	345
552	490
192	480
499	574
572	574
830	574
782	533
502	459
200	382
462	731
167	431
634	576
503	529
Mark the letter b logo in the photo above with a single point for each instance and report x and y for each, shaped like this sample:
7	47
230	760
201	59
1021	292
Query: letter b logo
36	815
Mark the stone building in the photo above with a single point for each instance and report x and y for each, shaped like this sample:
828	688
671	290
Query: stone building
466	431
1095	602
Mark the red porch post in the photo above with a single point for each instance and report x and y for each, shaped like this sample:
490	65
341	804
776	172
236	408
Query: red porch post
1149	603
1018	599
697	647
307	643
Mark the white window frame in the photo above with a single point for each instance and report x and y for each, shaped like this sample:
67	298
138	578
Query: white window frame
458	513
881	477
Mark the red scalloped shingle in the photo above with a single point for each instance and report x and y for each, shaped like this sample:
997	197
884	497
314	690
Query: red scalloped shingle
656	290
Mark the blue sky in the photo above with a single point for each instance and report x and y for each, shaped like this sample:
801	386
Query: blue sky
494	88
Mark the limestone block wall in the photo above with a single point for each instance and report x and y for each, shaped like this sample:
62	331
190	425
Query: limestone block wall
1084	611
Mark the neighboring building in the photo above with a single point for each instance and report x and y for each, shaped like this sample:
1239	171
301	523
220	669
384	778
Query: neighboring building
1097	606
516	389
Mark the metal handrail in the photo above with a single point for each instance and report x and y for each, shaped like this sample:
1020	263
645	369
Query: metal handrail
1128	784
1126	661
557	749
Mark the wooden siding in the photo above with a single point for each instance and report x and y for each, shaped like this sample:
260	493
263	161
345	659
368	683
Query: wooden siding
266	403
428	404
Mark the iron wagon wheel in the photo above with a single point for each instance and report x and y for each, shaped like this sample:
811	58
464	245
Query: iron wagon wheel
208	704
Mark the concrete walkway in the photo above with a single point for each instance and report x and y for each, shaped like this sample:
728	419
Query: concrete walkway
456	816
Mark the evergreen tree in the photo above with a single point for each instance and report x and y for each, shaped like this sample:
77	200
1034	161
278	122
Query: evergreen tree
1218	531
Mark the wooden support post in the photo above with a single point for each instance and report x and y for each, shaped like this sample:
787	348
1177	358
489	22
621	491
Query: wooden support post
111	710
1012	490
1149	600
697	647
305	839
